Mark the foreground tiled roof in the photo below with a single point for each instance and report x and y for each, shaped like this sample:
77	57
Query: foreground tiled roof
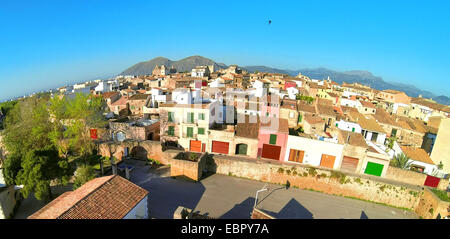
109	197
417	154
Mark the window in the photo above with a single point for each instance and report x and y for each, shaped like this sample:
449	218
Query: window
171	116
273	139
291	115
190	117
201	130
201	116
171	131
190	132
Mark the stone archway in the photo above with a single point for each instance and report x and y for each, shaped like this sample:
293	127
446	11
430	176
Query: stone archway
139	152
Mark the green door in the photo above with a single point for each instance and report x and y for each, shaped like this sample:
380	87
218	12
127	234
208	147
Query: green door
241	149
374	169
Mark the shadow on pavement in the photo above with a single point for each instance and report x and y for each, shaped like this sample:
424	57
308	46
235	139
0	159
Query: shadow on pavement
172	193
292	210
363	215
242	210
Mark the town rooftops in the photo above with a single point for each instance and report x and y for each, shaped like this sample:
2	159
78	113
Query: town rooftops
268	123
367	104
139	97
417	154
366	122
354	139
203	105
392	91
109	94
109	197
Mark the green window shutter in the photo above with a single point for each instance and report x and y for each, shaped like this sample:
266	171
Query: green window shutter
353	129
201	130
201	116
273	139
190	117
299	118
171	131
171	116
336	124
190	132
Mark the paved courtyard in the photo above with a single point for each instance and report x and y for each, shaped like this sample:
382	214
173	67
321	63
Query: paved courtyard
221	196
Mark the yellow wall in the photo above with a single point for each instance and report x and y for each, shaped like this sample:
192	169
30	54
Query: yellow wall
441	149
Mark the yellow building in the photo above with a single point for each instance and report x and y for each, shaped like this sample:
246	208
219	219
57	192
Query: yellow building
441	149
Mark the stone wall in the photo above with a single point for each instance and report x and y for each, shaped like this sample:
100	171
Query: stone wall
257	214
152	148
411	177
190	169
318	179
430	206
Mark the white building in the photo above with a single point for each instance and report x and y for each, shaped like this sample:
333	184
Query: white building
182	96
350	103
313	152
348	126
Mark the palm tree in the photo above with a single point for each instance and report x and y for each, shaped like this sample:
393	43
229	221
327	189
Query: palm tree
401	161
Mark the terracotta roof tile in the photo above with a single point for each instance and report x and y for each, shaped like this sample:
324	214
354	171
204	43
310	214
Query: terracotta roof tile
417	154
109	197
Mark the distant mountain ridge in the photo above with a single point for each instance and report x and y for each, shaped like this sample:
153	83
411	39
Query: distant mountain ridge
186	64
363	77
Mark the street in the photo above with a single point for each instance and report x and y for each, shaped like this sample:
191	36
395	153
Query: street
227	197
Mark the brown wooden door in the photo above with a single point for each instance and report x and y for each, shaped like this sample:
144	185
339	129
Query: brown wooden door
296	155
220	147
349	164
327	161
271	151
196	146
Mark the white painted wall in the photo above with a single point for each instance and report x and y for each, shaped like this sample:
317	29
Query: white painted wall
350	103
348	126
140	211
314	150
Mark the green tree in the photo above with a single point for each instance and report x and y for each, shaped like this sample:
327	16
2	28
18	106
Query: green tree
83	174
401	161
391	141
73	119
39	168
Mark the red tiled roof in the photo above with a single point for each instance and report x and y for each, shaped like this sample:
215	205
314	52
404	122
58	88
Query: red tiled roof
109	94
109	197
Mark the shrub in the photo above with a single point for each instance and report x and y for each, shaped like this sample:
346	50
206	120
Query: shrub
431	210
305	174
312	171
288	172
294	173
441	194
280	170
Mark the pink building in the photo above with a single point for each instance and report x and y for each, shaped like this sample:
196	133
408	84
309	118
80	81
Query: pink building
273	134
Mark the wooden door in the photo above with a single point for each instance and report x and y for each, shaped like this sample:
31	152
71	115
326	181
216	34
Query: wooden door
271	151
196	146
349	164
220	147
327	161
296	155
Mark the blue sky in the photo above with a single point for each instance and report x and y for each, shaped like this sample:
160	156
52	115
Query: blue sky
47	44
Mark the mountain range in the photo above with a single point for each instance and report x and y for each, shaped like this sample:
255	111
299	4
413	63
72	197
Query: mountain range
360	76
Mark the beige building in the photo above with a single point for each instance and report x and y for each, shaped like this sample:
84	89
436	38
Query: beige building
441	149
